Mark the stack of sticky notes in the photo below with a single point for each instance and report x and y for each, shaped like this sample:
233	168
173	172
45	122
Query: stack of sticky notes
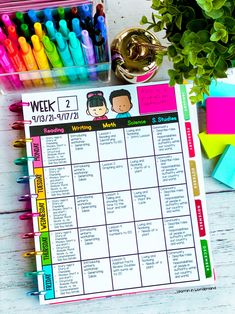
219	138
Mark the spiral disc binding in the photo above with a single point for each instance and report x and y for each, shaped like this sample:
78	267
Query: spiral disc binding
21	143
17	106
19	125
28	216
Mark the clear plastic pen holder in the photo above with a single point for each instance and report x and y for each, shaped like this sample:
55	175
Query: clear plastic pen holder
78	76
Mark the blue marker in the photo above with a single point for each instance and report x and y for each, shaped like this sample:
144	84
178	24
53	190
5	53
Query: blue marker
76	27
48	15
102	27
64	29
86	11
51	31
76	52
65	55
33	16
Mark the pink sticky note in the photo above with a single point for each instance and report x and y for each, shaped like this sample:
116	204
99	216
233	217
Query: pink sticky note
156	98
220	115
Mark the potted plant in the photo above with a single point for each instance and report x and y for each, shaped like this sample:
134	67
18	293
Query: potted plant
201	36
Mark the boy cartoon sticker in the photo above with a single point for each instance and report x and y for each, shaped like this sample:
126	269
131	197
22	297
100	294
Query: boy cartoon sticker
121	103
96	106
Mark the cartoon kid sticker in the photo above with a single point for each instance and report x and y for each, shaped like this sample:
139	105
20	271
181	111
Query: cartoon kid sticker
121	103
96	106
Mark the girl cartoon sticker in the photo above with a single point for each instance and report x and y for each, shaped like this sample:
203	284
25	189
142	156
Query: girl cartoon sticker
96	105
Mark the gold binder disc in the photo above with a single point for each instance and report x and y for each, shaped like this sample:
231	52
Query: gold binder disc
134	55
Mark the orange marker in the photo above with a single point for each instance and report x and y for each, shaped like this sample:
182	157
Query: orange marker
12	34
17	61
41	59
31	65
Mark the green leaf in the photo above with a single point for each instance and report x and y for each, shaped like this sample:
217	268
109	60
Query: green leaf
196	25
144	20
221	64
218	26
204	36
215	36
229	23
205	5
171	51
215	14
192	56
178	21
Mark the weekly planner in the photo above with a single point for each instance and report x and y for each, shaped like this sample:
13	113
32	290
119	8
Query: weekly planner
117	181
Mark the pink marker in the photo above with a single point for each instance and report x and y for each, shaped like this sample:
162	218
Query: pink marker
6	20
8	68
2	35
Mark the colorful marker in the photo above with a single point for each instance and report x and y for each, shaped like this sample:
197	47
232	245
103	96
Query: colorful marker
6	20
77	55
76	27
29	60
48	16
17	61
38	30
86	11
65	55
99	12
2	35
74	12
33	16
63	28
20	17
88	51
54	58
61	13
12	34
8	68
25	30
101	27
41	59
51	31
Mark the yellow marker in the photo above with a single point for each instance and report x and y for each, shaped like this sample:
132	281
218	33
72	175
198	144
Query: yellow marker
31	65
38	30
41	59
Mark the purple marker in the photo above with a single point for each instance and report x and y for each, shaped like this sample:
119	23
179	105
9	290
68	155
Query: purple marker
2	36
8	68
7	21
89	53
87	47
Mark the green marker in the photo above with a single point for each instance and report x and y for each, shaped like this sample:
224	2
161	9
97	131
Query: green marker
61	13
20	17
77	55
25	30
54	58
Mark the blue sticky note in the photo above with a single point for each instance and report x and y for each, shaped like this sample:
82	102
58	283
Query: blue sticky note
220	88
225	168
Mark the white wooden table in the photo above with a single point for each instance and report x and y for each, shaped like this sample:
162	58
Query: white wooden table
221	210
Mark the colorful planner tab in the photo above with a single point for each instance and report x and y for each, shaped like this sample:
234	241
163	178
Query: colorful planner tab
220	113
45	247
48	282
200	218
206	258
185	105
189	135
225	168
194	177
42	220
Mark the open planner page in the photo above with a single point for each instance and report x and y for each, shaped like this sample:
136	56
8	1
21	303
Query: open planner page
118	186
